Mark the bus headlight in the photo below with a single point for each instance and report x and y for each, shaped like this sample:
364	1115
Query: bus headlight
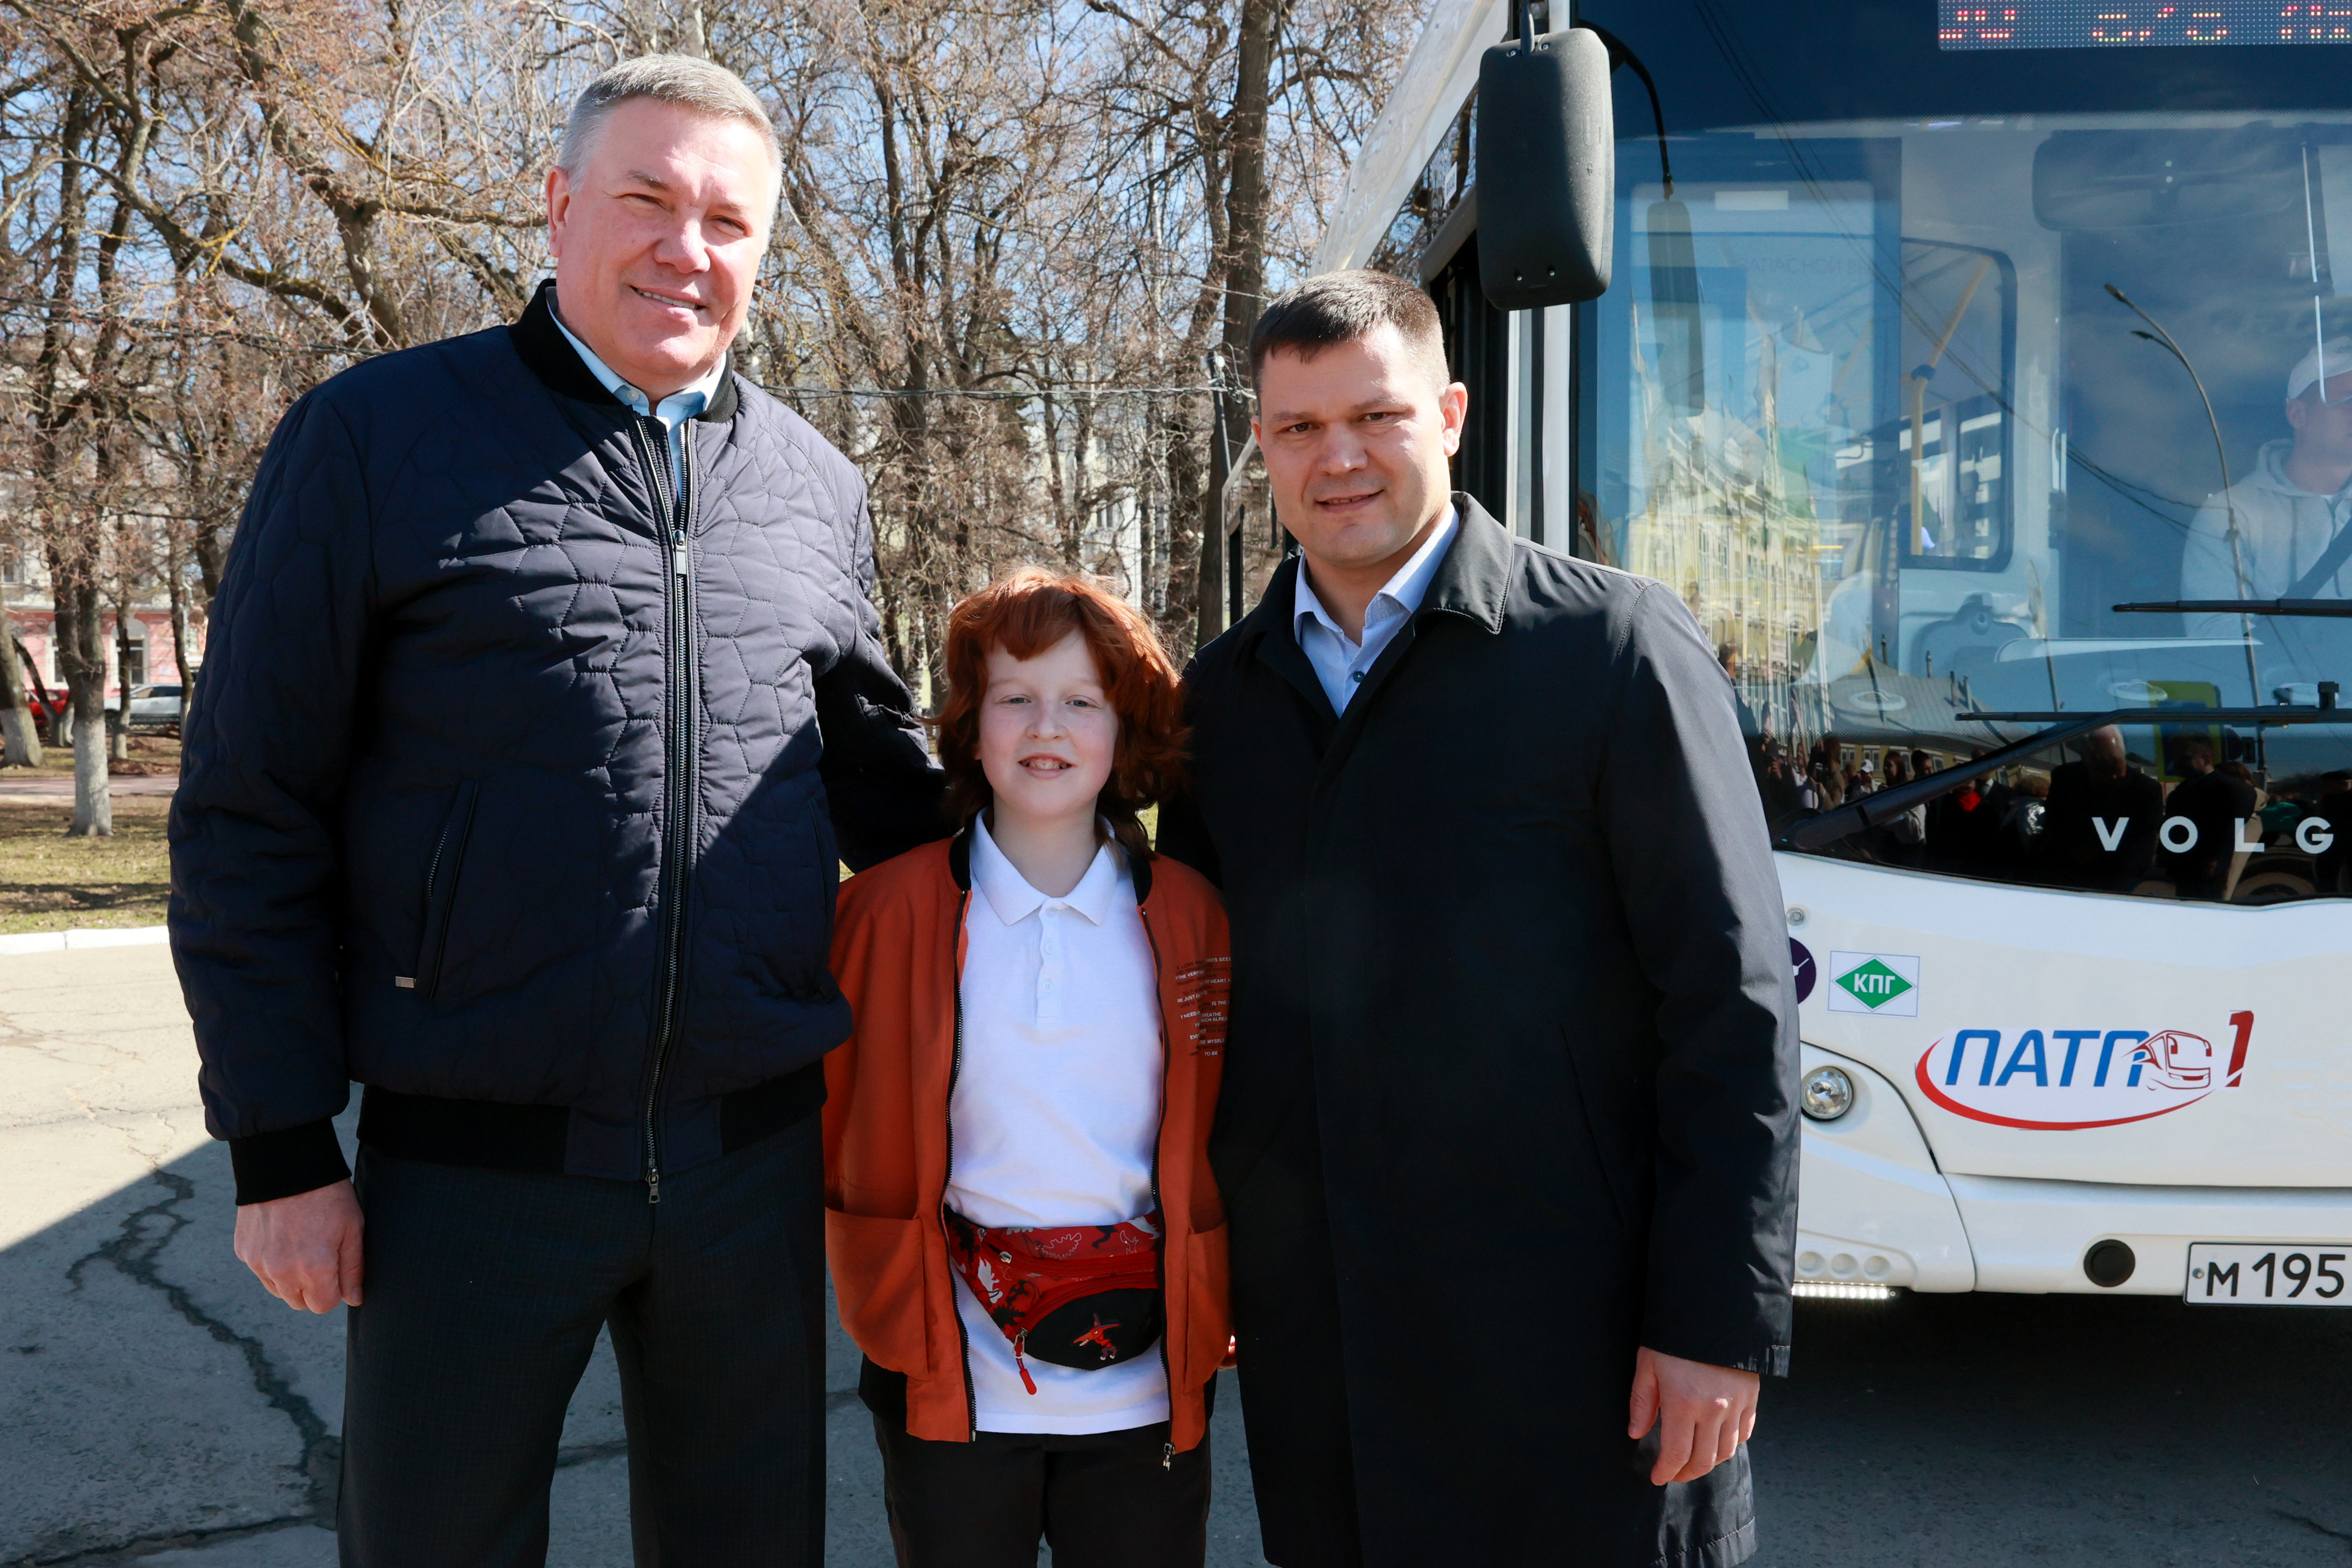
1826	1094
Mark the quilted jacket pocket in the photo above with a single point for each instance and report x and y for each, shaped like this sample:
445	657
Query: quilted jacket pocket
878	1279
441	877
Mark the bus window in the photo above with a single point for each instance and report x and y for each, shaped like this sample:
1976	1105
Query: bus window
1903	405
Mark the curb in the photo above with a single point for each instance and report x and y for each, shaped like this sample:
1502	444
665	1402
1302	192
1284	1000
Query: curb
63	941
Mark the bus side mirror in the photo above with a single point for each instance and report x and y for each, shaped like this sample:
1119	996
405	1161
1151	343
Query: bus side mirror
1547	172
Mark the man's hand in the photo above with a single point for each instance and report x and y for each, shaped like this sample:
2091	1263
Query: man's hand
305	1249
1704	1413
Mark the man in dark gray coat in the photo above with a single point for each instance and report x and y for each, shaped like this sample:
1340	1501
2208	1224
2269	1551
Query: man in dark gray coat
1507	1134
544	693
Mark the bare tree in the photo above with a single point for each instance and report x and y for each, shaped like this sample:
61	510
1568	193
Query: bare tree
1015	231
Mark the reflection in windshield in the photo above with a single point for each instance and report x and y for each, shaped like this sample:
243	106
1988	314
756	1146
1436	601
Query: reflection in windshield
1904	410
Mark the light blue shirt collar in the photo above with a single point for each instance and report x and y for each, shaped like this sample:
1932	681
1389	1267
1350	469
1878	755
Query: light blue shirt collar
1339	663
674	411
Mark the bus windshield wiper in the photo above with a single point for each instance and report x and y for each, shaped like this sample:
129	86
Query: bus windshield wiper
1885	805
2331	607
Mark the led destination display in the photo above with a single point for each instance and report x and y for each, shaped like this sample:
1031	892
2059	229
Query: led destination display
2140	23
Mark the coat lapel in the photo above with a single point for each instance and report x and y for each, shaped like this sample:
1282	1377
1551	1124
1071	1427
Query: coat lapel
1268	634
1470	584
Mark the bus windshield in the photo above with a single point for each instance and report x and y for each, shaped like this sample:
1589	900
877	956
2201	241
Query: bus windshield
1905	407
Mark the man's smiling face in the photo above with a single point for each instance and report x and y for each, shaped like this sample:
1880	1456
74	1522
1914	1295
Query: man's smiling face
657	239
1356	441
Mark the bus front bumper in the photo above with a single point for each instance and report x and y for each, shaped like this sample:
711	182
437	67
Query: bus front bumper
1873	1210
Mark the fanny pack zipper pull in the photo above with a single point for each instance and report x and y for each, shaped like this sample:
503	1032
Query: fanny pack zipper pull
1022	1364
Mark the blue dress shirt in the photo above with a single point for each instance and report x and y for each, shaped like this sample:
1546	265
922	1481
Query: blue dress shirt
676	409
1339	662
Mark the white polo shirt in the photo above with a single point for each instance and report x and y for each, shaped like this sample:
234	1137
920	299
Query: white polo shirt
1055	1110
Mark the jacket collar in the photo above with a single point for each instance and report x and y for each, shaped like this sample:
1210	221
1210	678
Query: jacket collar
1473	580
542	345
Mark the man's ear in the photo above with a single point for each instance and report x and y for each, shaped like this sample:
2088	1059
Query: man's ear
1453	403
559	206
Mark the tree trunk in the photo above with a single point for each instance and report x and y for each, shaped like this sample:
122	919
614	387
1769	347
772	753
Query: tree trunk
118	728
61	715
1245	193
175	584
1245	197
1186	522
20	740
1211	607
81	657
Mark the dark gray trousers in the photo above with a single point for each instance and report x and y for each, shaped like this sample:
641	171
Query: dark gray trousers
484	1294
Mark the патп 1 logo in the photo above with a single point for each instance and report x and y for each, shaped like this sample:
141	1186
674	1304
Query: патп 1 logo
2066	1080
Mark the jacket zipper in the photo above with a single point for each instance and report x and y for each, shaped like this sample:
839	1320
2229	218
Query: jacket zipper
433	866
681	790
1159	1135
459	827
955	1071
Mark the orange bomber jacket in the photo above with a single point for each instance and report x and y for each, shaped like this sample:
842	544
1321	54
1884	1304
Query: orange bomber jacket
898	952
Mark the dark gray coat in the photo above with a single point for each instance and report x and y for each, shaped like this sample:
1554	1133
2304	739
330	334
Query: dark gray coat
1512	1064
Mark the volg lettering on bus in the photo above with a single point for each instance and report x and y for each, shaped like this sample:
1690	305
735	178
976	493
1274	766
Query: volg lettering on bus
2313	835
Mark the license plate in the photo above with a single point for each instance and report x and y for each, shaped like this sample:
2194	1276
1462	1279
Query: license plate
2268	1274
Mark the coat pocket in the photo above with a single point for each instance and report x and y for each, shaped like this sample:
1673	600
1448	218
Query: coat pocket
1208	1311
1619	1154
878	1279
441	877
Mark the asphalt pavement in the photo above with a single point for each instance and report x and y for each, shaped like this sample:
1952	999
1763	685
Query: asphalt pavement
155	1406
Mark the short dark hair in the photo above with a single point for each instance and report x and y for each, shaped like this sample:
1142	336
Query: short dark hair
1342	306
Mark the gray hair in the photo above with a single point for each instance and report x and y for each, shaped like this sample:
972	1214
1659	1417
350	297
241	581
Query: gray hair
681	79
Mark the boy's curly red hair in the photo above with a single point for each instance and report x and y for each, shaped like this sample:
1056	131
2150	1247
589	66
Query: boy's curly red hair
1025	613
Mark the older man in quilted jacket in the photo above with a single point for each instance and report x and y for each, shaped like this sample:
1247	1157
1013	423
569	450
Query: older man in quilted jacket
544	694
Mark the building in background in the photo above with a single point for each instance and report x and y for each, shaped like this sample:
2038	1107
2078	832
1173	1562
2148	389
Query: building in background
151	657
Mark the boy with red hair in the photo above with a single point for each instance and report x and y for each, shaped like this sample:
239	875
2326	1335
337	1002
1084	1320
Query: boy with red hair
1025	1238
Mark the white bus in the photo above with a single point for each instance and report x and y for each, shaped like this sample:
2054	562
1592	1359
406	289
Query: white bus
1979	376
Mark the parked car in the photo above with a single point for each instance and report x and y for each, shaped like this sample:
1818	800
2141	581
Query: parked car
151	707
46	709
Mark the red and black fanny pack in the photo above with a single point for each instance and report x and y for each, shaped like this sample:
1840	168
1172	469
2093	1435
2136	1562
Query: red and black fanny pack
1081	1296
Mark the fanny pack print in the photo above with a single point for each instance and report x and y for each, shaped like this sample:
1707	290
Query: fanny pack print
1080	1296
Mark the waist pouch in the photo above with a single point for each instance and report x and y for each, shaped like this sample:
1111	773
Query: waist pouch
1080	1296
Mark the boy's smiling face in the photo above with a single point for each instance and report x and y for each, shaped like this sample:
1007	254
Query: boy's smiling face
1048	733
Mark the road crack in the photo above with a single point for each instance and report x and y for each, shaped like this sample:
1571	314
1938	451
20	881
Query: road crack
2312	1525
145	1545
135	1251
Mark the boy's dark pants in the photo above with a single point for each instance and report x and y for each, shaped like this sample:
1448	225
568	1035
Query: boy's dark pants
1111	1500
484	1290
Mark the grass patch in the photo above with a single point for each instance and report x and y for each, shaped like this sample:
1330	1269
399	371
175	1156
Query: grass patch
51	883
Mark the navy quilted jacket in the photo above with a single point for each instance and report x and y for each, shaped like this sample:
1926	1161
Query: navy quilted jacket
517	774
